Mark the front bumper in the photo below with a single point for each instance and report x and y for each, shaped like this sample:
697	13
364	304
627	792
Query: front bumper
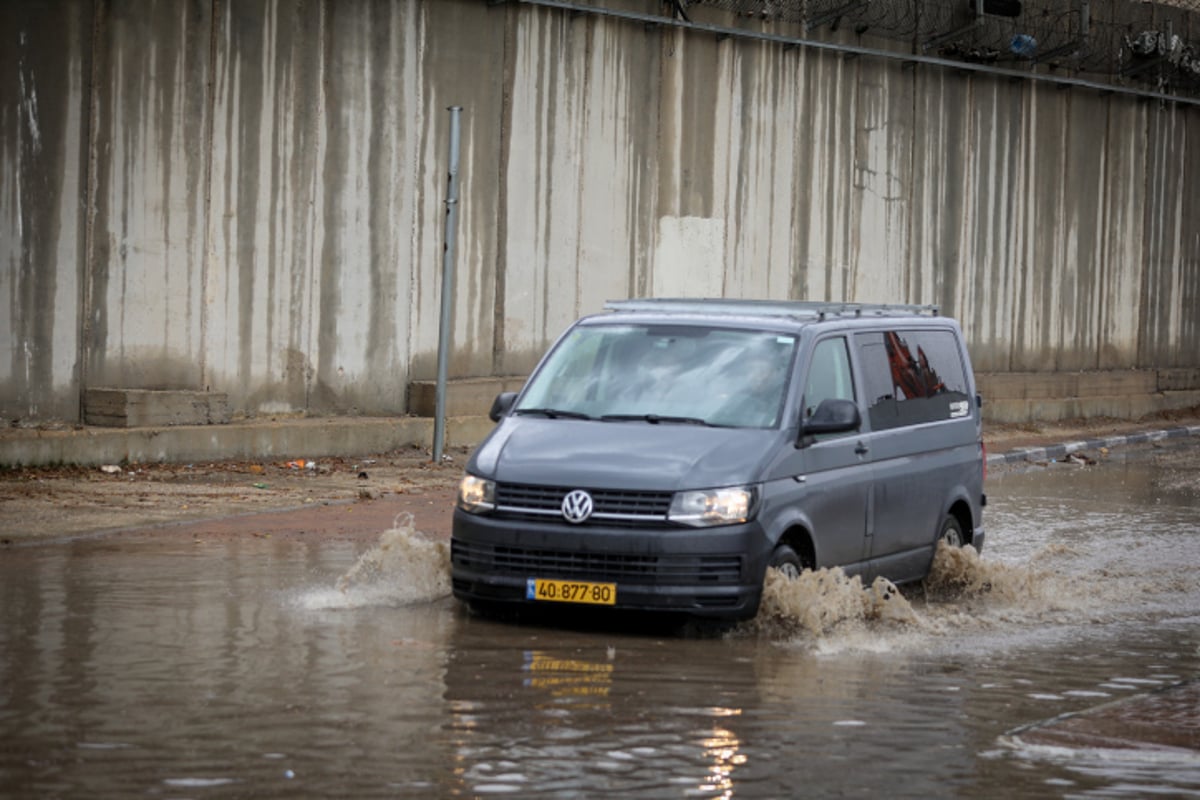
714	573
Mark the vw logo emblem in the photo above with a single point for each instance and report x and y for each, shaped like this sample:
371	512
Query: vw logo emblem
577	506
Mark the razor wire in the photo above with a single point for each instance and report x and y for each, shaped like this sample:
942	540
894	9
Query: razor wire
1126	42
1152	45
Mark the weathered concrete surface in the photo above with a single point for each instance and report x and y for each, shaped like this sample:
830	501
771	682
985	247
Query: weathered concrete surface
247	197
139	408
466	397
1053	409
45	66
290	438
1037	385
1123	394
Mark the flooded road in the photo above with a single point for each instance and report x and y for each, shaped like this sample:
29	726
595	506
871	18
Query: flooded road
1060	664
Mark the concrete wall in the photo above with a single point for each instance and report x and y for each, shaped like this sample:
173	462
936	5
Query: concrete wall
247	197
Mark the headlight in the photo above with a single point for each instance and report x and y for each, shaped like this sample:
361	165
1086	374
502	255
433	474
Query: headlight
712	506
476	495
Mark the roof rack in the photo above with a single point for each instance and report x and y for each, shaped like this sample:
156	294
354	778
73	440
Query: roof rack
809	309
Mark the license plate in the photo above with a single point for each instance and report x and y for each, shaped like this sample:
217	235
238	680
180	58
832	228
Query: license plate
600	594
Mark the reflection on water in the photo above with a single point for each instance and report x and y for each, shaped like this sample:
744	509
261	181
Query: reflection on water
569	677
722	748
130	667
169	667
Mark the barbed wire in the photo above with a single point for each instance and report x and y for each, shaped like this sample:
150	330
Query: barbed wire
1125	42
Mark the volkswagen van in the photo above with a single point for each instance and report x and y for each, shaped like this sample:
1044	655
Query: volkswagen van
665	453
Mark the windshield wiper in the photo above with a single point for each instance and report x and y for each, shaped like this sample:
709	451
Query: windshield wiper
654	419
553	413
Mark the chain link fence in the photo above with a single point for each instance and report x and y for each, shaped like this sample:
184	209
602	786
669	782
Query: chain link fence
1155	45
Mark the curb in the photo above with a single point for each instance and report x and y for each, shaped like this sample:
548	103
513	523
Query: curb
308	437
1060	451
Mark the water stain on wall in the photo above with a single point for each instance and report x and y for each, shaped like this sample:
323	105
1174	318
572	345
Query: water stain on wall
207	194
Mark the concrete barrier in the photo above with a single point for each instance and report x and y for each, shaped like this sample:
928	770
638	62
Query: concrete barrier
1008	398
251	440
140	408
1055	396
465	397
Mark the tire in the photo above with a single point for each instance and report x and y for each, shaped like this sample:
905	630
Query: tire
786	561
951	532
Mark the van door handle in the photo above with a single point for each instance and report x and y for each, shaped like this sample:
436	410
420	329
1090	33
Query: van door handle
861	449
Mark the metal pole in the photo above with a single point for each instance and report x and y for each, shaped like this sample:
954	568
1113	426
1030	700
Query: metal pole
447	321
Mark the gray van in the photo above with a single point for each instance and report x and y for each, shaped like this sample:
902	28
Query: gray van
665	453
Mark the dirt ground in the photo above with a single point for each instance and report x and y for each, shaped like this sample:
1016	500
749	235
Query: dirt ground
345	498
330	497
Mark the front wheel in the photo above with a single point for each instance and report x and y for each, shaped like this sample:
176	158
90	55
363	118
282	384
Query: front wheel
786	561
951	532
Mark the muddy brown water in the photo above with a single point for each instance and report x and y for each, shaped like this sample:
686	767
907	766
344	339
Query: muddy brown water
1063	663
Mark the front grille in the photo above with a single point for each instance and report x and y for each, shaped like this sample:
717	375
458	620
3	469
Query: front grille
524	562
612	508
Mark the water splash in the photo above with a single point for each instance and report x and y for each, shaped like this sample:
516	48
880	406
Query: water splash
1057	579
960	574
405	567
830	612
823	601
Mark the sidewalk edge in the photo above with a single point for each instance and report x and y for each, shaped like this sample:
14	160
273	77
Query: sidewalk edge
1059	451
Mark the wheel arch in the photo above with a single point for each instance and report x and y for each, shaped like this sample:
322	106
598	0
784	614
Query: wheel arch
800	540
960	509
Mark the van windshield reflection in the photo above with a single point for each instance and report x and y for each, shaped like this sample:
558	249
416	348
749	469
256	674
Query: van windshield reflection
664	374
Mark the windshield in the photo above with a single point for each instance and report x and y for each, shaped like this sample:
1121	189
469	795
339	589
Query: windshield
664	373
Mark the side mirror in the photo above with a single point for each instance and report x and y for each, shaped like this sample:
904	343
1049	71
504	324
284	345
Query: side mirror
500	406
832	416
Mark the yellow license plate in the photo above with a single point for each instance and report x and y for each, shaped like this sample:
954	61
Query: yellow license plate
600	594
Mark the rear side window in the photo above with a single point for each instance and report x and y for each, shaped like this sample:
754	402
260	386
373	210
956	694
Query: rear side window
912	377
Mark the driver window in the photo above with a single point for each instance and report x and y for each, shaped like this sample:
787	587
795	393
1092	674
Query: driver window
828	375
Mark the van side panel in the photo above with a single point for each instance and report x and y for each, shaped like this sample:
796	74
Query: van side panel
830	484
923	440
916	472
